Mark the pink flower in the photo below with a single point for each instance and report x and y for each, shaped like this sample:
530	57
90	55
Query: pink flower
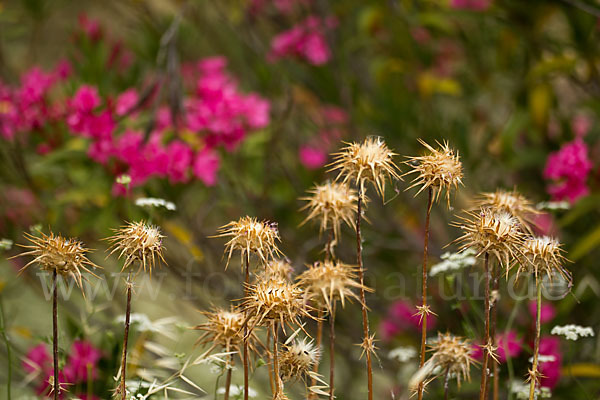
312	158
581	125
544	225
126	101
305	41
569	168
91	27
180	159
82	361
37	359
508	344
402	317
548	312
550	370
206	166
85	99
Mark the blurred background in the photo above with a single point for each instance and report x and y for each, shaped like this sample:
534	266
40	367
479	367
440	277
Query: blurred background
232	108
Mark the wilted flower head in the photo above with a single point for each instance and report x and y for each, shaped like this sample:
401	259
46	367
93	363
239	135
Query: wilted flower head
331	204
543	255
224	329
297	360
249	235
138	241
512	202
278	269
497	233
275	300
55	253
440	170
329	281
449	353
370	161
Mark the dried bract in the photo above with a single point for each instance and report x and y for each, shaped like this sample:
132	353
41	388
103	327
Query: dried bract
543	255
138	241
511	202
297	360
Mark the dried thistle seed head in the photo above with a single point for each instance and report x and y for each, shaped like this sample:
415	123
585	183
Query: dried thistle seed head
275	300
224	328
440	170
329	281
453	353
138	241
55	253
488	231
512	202
543	255
298	359
331	204
278	269
249	235
370	161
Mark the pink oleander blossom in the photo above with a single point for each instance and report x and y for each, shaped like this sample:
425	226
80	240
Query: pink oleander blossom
126	101
402	317
82	362
550	370
206	165
509	345
548	312
305	41
311	157
568	169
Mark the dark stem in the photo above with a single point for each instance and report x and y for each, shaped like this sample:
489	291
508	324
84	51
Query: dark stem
494	311
8	349
228	378
424	288
365	318
446	383
486	338
332	351
536	349
246	283
126	339
55	334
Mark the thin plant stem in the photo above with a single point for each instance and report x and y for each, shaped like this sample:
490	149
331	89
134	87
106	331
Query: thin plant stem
536	349
228	377
319	341
126	338
494	311
8	350
365	318
332	351
246	283
486	334
424	288
55	334
446	383
269	362
278	385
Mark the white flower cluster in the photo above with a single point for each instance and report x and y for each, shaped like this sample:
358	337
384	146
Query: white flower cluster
521	390
572	332
402	353
454	261
237	390
543	358
154	202
553	205
5	244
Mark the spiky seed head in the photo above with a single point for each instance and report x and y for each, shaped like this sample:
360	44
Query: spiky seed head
249	235
296	360
224	328
138	241
275	300
543	255
66	256
440	170
488	231
511	202
453	353
326	282
278	269
370	161
331	204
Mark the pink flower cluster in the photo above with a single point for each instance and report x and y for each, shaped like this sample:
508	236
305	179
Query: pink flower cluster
568	169
509	345
475	5
81	366
401	318
26	107
305	41
331	121
216	111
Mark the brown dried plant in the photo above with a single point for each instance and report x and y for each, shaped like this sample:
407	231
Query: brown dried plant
543	255
138	241
440	170
297	359
511	202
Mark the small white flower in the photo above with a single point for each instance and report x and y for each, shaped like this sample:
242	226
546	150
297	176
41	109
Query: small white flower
454	262
154	202
5	244
543	358
402	353
572	332
237	390
553	205
521	390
